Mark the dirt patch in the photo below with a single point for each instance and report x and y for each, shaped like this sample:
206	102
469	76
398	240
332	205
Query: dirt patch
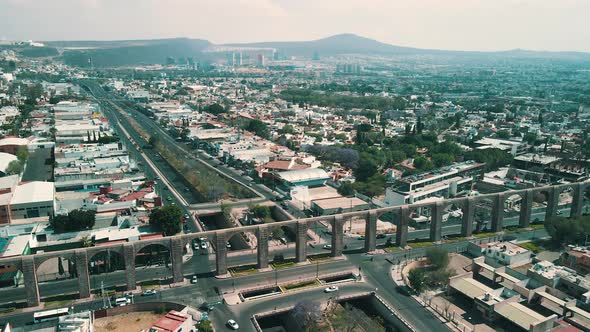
134	321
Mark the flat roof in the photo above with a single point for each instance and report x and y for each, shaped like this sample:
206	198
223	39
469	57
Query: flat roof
519	314
339	202
304	175
36	191
470	287
5	160
170	322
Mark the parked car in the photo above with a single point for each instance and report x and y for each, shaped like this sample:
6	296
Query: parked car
194	280
327	246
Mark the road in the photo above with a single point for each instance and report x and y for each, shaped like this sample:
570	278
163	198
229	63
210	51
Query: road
375	274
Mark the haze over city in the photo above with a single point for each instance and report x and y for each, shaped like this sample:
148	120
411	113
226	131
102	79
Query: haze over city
481	25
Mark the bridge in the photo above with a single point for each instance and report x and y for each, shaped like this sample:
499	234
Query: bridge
176	245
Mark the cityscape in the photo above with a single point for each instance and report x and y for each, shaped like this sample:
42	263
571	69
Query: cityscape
333	183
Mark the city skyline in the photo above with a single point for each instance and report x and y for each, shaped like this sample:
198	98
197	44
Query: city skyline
457	25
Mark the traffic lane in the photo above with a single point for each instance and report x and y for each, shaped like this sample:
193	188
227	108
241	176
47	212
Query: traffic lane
242	313
377	274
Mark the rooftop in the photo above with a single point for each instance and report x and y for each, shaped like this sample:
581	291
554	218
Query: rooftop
170	322
447	170
36	191
339	202
304	175
520	315
537	158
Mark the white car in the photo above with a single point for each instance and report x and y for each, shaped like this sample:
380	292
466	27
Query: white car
149	292
194	280
327	246
203	245
233	324
331	289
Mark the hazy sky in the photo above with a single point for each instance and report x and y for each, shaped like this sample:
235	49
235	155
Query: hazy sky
442	24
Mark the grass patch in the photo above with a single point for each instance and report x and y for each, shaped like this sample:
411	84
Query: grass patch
242	270
58	303
282	265
420	244
320	258
302	284
537	226
531	246
392	249
150	284
482	235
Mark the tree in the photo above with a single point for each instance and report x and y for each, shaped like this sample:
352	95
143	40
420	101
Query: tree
260	211
22	153
442	159
422	164
168	219
14	167
84	219
75	220
503	134
258	127
214	109
366	169
346	189
307	312
154	139
417	279
437	257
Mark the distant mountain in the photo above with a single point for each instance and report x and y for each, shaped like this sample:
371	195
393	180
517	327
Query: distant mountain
353	44
137	52
128	53
334	45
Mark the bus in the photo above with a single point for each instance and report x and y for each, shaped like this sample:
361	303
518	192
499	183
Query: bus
46	315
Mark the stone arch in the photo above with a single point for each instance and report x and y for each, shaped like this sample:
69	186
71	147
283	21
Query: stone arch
565	195
542	205
153	253
11	275
106	261
585	200
56	267
238	240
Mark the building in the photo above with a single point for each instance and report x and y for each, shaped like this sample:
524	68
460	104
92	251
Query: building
532	166
5	160
515	148
78	322
500	253
12	144
174	321
33	200
261	62
311	177
327	206
578	258
444	182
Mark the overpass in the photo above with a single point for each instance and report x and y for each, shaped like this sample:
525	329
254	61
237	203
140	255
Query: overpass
176	245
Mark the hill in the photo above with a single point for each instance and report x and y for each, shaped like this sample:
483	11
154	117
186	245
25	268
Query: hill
129	53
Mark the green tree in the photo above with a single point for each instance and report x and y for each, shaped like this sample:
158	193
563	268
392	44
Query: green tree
503	134
417	279
442	159
75	220
214	109
422	164
22	153
437	257
168	219
366	168
346	189
260	211
154	139
258	127
14	167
